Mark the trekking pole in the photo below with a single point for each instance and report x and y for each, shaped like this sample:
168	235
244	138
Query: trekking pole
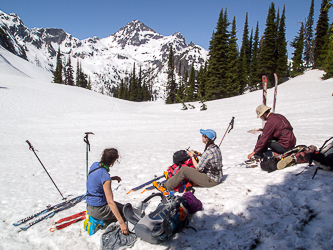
33	150
85	139
231	124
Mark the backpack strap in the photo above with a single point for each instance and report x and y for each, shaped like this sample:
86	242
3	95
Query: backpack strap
164	200
94	170
324	144
88	194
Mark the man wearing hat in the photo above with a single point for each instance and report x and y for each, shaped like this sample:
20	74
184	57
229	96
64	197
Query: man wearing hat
277	133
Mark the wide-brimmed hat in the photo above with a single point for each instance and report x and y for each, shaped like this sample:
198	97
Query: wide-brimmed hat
261	109
211	134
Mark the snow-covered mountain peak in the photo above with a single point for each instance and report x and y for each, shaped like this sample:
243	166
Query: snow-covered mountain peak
134	33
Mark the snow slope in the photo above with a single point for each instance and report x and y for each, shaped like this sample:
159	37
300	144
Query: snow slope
250	209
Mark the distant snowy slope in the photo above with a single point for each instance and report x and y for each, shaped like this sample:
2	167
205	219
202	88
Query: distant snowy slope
250	209
13	65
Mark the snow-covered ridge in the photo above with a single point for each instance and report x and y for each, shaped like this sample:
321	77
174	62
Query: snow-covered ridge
106	60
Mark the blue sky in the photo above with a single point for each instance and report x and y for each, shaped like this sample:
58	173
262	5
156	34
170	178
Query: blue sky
194	19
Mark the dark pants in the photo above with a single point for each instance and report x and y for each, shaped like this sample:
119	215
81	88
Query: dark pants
104	212
274	146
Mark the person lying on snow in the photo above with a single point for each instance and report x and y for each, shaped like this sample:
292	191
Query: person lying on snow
277	134
100	203
207	173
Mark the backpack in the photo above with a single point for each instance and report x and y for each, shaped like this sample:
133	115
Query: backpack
169	217
194	204
322	158
180	157
173	170
298	155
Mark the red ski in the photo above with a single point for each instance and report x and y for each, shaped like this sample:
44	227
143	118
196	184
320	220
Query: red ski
65	222
264	89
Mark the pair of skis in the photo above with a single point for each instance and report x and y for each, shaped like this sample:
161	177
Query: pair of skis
65	222
264	88
264	99
49	212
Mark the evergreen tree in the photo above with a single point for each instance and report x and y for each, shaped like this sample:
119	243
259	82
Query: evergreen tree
308	37
190	90
267	63
89	83
133	86
328	61
281	47
244	58
254	77
77	73
298	44
57	74
202	81
321	35
217	59
181	87
81	78
139	86
171	88
69	77
122	90
232	86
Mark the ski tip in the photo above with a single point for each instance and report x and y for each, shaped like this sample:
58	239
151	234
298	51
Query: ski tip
143	191
52	229
129	191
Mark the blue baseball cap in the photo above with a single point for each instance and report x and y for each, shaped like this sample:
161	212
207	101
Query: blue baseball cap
211	134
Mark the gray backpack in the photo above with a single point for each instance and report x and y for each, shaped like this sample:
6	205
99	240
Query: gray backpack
169	217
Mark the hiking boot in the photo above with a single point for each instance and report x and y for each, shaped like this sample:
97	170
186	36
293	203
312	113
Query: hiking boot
285	162
160	187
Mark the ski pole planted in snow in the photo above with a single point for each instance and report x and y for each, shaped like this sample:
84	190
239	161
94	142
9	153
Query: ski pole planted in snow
231	124
85	139
33	150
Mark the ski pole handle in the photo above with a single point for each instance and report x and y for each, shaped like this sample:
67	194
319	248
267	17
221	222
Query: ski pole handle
30	146
232	123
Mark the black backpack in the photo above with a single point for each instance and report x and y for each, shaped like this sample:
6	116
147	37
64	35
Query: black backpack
168	218
323	158
180	157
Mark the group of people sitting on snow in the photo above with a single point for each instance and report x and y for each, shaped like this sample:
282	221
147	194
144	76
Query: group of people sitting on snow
277	135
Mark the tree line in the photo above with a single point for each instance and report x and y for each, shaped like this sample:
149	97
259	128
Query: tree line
314	49
231	71
64	74
134	88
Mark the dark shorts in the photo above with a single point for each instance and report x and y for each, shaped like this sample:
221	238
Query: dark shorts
104	212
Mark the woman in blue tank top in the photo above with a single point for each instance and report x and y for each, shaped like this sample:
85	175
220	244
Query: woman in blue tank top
100	203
